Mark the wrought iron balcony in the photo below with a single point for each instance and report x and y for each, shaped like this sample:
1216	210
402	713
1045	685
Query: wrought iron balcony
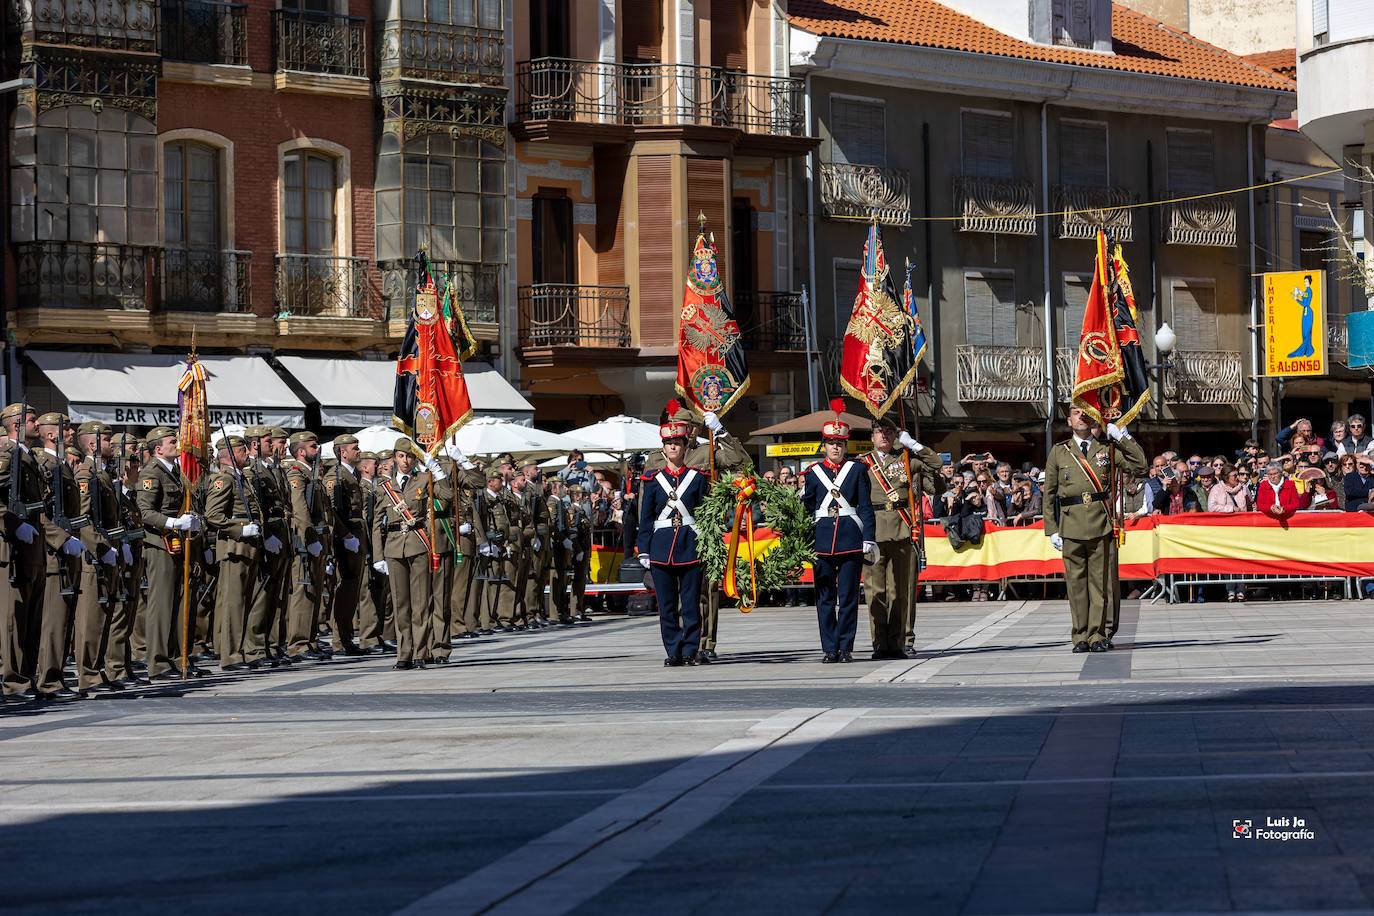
85	275
1337	339
1208	377
866	192
415	49
320	43
562	315
1201	222
1001	374
478	287
321	286
1000	205
1086	209
1065	363
129	25
204	32
771	321
196	280
597	92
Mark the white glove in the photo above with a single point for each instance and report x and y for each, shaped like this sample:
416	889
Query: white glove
713	423
578	556
567	543
128	553
351	544
1057	541
195	522
26	533
870	547
536	544
273	544
381	567
209	556
181	522
908	441
645	561
109	557
465	528
489	550
251	530
329	569
456	453
1117	433
313	548
434	469
72	547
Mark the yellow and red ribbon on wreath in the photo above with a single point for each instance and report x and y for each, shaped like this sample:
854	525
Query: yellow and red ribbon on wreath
742	525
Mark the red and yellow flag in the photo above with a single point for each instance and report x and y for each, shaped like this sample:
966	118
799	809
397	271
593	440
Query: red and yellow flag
431	399
193	421
881	349
712	372
1110	381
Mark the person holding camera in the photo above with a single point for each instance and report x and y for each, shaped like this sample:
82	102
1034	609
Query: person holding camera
576	471
1023	501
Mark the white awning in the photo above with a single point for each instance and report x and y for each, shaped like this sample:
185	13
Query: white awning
354	393
140	389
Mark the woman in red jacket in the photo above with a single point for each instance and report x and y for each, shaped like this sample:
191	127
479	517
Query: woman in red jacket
1278	496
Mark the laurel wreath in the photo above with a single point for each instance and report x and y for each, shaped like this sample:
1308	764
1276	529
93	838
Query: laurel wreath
782	511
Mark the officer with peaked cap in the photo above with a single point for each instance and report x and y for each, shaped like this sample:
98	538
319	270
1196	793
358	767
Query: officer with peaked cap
169	523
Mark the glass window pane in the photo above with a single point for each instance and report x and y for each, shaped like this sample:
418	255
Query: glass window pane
81	186
493	178
80	117
112	120
171	161
417	172
413	9
321	237
143	154
114	151
412	237
143	190
112	224
388	207
439	10
82	225
441	208
441	174
441	243
204	163
388	171
320	172
416	207
441	145
388	242
291	172
491	14
493	246
23	187
320	205
295	235
467	174
143	227
21	223
467	210
493	210
52	222
112	190
52	185
467	245
24	149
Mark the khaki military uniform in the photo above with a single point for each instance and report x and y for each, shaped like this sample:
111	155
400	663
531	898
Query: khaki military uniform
510	606
730	459
494	530
402	543
22	585
59	604
162	496
309	526
463	596
229	506
373	596
538	552
348	500
1076	508
440	628
890	582
128	586
270	586
95	604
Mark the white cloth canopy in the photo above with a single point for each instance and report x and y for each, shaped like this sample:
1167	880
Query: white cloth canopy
140	389
593	459
492	436
358	392
619	435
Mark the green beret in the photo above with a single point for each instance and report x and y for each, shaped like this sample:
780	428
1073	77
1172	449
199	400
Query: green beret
92	428
278	432
13	411
73	452
304	435
403	445
503	458
494	472
345	439
367	456
256	432
234	442
158	433
52	419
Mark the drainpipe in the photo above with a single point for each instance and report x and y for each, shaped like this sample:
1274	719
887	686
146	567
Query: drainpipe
1254	289
813	345
1045	273
932	332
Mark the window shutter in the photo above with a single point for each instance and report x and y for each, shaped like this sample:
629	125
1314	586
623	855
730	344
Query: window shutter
858	131
987	144
1075	303
1190	162
1319	18
1083	154
989	310
1195	315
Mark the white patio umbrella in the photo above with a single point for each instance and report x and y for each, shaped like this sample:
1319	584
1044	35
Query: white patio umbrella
619	436
377	438
492	436
593	459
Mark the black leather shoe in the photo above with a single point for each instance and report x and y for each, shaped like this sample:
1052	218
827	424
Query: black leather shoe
565	621
259	664
585	617
314	655
1080	647
419	664
237	666
352	650
402	666
206	656
133	680
439	660
829	658
97	690
703	658
1110	644
879	655
193	672
1098	647
468	635
690	661
377	650
389	645
846	656
910	652
61	693
171	674
672	662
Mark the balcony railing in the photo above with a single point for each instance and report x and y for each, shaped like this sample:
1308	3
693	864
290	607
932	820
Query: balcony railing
1209	377
771	321
478	288
320	43
1065	363
561	315
866	192
1086	209
206	280
321	286
1001	374
415	49
1201	222
1337	339
128	25
595	92
85	275
1001	205
205	33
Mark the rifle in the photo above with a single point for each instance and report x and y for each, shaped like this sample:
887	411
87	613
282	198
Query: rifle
241	491
321	530
68	588
16	506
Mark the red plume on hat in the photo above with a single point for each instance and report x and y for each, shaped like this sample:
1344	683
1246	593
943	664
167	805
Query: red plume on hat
672	428
672	408
837	428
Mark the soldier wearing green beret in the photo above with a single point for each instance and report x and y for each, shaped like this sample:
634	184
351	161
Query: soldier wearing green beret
165	508
348	501
311	543
96	601
23	549
235	520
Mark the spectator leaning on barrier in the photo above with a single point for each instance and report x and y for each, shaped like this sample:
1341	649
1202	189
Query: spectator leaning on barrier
1358	483
1203	481
1229	494
1278	496
1024	502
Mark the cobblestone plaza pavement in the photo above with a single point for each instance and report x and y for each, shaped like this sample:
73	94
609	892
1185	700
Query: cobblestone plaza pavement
569	772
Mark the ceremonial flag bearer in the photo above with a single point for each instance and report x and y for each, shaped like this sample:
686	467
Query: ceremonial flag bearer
838	492
668	542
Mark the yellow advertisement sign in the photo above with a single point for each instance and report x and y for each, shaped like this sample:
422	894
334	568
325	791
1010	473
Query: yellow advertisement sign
811	449
1294	323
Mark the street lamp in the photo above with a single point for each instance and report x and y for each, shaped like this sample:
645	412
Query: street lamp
1165	341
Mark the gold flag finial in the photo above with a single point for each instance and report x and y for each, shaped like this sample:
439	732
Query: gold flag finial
701	219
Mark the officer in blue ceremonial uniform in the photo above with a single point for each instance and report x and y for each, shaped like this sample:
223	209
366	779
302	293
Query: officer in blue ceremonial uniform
838	494
667	542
